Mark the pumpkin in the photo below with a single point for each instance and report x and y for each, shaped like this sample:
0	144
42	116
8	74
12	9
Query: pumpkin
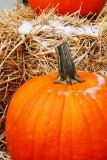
59	116
69	6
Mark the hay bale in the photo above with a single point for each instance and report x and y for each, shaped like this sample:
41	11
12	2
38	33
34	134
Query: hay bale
27	43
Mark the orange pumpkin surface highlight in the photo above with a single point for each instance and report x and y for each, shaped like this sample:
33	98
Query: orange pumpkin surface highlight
50	121
70	6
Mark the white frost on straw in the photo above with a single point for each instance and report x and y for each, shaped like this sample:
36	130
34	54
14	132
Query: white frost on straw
54	23
82	30
92	30
36	28
58	27
42	42
45	43
2	155
92	90
69	30
46	27
25	28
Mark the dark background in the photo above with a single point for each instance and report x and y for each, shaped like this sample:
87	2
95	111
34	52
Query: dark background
25	1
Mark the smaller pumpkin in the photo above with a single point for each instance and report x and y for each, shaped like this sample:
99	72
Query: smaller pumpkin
69	6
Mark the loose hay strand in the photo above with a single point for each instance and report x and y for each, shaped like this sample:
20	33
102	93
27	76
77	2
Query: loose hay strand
21	42
25	56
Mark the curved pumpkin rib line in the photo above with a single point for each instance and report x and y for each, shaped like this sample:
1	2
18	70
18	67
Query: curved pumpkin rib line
88	125
21	100
61	126
14	128
23	108
48	128
85	119
30	98
73	97
72	105
98	105
49	117
91	106
22	111
48	124
40	111
62	119
52	113
105	124
36	120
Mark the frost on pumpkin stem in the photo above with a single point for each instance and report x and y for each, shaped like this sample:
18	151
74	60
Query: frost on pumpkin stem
67	70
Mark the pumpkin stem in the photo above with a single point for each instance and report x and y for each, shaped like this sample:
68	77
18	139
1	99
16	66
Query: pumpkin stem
67	71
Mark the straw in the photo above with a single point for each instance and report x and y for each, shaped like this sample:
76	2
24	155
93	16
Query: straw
23	56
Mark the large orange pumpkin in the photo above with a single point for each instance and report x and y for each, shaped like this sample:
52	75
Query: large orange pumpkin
50	120
69	6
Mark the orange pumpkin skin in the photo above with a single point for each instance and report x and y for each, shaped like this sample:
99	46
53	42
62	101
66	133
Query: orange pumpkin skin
47	121
69	6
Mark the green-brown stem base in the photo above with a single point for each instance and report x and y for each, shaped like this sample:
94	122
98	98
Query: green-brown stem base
67	71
